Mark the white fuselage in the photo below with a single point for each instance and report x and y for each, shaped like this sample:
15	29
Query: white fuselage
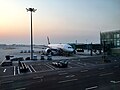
64	47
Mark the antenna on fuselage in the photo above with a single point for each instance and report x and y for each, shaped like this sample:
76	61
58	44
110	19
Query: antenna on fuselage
48	40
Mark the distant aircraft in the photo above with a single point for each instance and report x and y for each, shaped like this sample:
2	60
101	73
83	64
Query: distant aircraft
59	49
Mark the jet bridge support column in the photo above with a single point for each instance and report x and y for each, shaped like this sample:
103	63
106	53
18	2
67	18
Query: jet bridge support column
91	50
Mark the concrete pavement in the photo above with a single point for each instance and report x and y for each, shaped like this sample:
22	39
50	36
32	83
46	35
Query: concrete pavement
79	76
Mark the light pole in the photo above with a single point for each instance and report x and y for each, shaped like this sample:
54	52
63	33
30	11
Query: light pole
31	10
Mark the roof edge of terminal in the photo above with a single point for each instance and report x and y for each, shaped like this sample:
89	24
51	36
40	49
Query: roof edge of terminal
110	31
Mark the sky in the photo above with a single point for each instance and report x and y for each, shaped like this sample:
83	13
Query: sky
63	21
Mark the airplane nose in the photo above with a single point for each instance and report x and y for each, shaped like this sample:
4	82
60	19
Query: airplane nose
71	50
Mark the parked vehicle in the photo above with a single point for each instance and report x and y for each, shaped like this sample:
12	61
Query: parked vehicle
60	64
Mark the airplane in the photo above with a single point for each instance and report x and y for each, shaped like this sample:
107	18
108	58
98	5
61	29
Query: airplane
58	49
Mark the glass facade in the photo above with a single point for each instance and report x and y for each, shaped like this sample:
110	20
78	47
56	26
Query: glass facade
110	38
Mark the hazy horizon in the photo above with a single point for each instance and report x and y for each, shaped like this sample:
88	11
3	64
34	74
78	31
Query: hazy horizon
64	21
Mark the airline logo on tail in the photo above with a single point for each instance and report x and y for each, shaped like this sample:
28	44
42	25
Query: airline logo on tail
48	40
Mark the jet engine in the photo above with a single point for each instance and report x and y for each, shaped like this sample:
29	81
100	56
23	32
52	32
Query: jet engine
48	51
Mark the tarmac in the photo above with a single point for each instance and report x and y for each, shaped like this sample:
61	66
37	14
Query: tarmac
84	72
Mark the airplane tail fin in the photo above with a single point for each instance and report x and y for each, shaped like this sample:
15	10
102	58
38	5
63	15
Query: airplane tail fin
48	40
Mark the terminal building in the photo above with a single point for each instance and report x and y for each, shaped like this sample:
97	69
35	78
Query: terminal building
111	41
